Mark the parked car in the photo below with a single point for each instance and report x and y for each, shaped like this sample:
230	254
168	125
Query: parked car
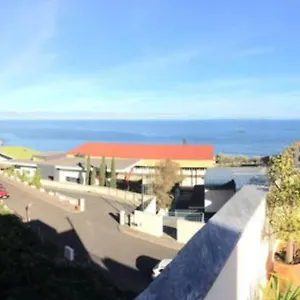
160	267
3	192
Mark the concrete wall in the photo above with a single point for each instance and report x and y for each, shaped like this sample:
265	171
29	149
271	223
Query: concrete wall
246	266
218	198
225	259
186	230
151	207
3	158
148	223
126	196
63	174
29	170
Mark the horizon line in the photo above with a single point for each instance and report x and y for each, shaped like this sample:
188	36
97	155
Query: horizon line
148	119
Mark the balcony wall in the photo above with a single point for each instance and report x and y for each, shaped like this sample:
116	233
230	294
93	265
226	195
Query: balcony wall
226	259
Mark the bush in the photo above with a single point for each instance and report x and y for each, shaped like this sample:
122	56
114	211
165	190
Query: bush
237	160
36	179
10	171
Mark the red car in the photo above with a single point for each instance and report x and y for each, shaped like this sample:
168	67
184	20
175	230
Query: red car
3	192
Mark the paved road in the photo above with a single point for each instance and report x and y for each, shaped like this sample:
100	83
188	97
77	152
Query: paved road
95	200
94	233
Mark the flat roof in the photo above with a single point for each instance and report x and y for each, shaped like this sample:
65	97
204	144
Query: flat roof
241	176
50	153
73	162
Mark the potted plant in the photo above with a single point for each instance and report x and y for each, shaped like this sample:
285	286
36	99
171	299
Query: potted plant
283	207
278	288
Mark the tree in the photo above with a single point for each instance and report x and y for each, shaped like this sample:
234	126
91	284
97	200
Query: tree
184	141
88	171
167	174
113	175
102	178
36	179
283	200
93	176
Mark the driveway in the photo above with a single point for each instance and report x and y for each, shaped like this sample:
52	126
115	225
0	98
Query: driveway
93	234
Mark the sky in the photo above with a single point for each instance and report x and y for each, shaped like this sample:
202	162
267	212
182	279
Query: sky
150	58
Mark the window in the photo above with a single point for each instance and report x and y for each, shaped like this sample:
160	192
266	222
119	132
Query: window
72	179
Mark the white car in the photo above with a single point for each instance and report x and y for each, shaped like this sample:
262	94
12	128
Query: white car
160	267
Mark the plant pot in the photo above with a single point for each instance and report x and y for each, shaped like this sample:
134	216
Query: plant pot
273	247
289	272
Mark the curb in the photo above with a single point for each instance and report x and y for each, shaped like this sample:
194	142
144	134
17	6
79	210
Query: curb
148	238
74	203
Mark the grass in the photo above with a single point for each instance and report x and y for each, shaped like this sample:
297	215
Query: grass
31	269
18	152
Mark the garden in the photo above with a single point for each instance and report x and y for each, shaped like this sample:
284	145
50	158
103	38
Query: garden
283	215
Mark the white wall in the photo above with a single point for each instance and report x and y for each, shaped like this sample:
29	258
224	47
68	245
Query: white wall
148	223
218	198
246	266
186	230
188	181
151	207
2	158
123	196
29	170
63	174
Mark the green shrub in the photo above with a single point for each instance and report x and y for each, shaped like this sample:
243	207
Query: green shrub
279	288
36	179
10	171
24	176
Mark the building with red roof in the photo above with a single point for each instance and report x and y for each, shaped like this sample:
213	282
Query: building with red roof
193	159
146	151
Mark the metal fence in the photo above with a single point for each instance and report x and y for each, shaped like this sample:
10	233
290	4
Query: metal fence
189	215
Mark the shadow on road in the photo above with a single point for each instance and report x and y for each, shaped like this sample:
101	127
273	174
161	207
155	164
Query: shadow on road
115	216
122	276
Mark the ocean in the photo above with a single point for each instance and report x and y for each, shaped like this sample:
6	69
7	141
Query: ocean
250	137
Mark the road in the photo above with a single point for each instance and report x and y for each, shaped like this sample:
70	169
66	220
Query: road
93	199
94	233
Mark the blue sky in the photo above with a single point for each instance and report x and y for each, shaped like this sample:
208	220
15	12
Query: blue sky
136	58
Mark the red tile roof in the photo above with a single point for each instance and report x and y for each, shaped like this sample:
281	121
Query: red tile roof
146	151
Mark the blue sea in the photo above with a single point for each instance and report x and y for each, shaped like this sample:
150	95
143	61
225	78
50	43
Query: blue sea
250	137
